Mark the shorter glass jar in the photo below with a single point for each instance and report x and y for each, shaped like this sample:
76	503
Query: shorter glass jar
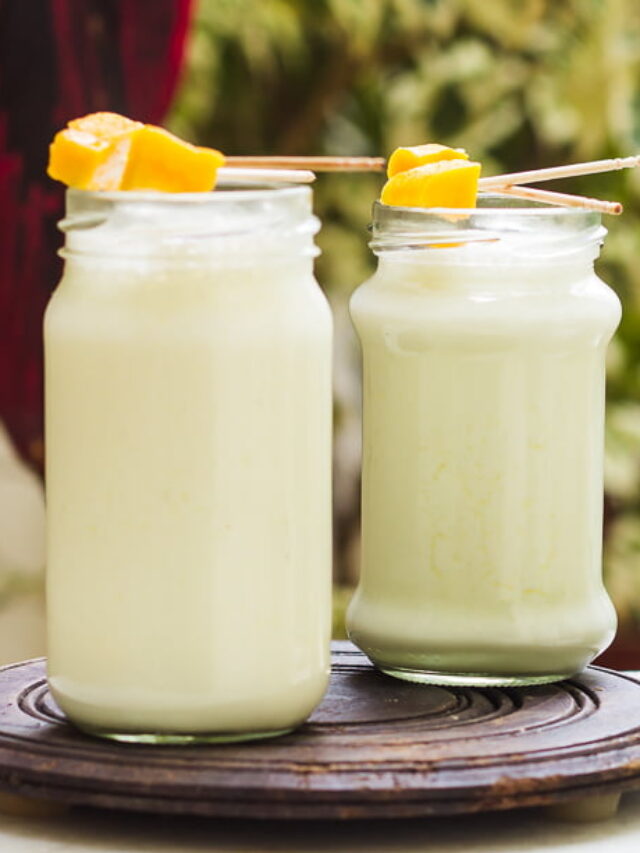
188	429
483	336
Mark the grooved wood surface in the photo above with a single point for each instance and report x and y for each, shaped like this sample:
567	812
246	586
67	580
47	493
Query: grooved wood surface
375	747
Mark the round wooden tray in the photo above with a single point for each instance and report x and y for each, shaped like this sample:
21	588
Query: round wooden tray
375	747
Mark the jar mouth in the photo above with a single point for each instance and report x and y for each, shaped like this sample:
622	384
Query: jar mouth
234	220
224	192
87	208
498	222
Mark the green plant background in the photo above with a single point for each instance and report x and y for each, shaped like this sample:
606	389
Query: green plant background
518	83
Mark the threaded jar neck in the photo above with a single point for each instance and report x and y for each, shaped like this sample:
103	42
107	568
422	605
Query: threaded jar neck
500	230
232	227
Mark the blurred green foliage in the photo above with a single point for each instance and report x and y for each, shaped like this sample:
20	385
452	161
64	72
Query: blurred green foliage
519	83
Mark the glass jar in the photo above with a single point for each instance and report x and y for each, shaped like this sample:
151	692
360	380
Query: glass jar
483	336
188	430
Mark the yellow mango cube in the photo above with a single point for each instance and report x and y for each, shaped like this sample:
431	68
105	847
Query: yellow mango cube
107	151
411	157
76	158
90	153
158	160
447	183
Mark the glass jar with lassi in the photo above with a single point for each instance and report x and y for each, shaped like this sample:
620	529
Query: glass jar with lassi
483	335
188	430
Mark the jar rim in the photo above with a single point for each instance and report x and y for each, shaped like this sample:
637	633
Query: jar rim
498	220
227	191
486	207
228	221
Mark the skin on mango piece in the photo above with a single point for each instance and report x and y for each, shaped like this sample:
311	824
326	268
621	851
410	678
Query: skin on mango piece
447	183
105	125
411	157
158	160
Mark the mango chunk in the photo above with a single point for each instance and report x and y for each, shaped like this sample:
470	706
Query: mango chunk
75	157
447	183
107	151
158	160
91	152
411	157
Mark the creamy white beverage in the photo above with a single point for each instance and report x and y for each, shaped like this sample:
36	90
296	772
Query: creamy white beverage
188	429
484	384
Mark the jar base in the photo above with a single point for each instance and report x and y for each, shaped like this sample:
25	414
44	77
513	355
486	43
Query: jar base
471	679
179	739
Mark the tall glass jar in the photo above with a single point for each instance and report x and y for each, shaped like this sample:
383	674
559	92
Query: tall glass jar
483	335
188	430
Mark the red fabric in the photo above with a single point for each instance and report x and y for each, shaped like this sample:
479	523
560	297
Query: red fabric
60	59
142	40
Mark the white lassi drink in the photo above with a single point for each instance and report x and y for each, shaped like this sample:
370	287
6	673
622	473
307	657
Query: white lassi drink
188	428
483	341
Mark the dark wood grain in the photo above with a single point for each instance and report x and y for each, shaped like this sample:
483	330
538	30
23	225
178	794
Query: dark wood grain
375	747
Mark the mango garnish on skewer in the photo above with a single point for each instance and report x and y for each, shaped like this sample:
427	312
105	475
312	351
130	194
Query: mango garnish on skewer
431	175
444	183
90	152
411	157
80	160
107	151
158	160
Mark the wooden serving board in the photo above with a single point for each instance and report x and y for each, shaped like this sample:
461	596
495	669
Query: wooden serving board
375	747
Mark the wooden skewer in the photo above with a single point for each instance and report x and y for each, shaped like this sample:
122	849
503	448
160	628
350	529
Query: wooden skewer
564	199
264	176
285	169
317	164
378	164
534	175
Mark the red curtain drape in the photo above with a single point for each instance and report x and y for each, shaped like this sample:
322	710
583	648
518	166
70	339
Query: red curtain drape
60	59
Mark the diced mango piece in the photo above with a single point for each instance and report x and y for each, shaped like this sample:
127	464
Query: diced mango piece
411	157
90	153
448	183
158	160
107	151
75	158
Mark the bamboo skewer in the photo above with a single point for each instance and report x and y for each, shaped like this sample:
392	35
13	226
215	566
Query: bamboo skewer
378	164
290	169
497	182
317	164
565	199
264	176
